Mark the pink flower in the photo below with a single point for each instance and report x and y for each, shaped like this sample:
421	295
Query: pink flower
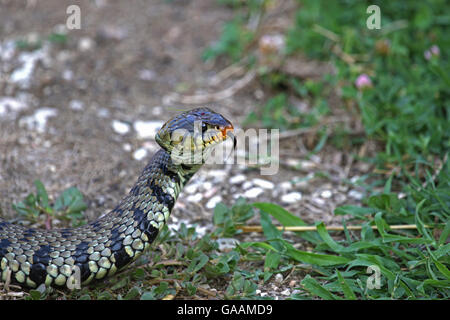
434	51
363	81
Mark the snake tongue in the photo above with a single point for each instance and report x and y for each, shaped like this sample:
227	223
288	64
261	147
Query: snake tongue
232	136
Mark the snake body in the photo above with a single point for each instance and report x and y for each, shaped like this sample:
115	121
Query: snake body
99	249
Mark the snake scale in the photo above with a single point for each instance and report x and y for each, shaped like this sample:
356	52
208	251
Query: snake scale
99	249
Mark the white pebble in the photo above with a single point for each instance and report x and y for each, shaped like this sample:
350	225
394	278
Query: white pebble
227	244
10	105
355	194
237	179
195	197
278	278
38	121
147	75
253	192
76	105
207	185
219	175
67	74
120	127
140	154
22	75
263	183
103	113
286	292
191	188
247	184
326	194
211	204
85	44
291	197
156	111
126	147
147	129
286	185
318	201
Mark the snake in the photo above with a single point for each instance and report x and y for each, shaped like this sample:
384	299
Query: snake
71	257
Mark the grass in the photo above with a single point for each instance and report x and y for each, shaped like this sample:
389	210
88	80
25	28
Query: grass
404	109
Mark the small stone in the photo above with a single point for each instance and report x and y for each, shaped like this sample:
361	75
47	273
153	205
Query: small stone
126	147
253	192
140	154
291	197
76	105
195	197
355	194
247	185
191	188
85	44
213	202
67	75
10	105
147	75
219	175
38	121
259	94
292	283
103	113
286	292
263	183
157	111
286	185
147	129
227	244
318	201
326	194
120	127
278	278
237	179
207	185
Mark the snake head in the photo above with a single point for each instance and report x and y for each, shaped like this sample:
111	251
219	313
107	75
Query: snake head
190	136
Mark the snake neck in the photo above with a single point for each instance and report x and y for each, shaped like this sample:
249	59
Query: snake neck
152	198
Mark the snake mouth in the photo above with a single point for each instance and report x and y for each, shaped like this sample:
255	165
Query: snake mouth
230	133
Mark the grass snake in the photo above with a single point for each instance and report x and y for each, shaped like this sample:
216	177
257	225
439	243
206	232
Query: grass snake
99	249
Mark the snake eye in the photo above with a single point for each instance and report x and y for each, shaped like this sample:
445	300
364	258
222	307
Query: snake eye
204	127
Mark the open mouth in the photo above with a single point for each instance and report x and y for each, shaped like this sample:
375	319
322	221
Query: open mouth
221	135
